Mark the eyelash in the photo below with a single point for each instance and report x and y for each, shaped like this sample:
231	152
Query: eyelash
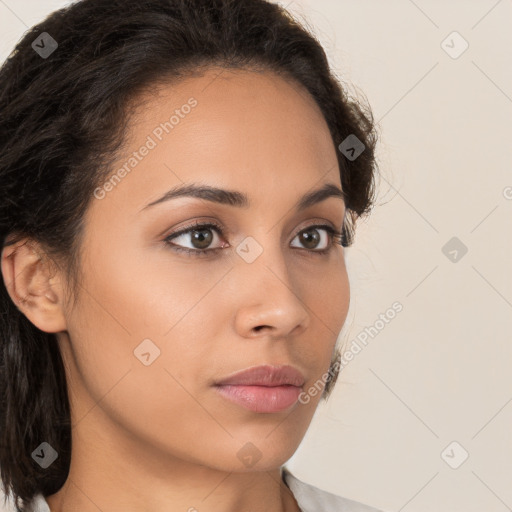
336	238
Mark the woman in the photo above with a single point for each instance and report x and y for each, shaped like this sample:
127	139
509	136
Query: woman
178	181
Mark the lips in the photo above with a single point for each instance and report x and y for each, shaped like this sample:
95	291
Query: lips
265	375
263	389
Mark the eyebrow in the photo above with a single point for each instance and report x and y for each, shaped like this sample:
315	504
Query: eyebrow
239	199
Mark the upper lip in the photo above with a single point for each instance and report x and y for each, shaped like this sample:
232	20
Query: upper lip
265	375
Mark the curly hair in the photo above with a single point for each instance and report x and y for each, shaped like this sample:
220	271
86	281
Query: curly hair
63	118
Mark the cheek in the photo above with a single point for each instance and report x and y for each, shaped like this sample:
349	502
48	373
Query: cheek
144	293
118	311
131	307
333	297
328	299
326	294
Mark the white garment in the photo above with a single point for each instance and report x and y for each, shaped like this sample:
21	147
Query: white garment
308	497
313	499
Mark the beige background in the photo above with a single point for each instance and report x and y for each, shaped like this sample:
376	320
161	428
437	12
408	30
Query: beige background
440	370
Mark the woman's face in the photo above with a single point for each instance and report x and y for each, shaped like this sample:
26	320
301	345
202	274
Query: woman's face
155	328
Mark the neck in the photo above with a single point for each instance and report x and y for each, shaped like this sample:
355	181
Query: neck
123	475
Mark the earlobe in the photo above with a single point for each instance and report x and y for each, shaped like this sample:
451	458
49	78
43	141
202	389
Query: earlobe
27	275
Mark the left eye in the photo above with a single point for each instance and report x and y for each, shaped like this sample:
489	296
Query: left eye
310	236
202	238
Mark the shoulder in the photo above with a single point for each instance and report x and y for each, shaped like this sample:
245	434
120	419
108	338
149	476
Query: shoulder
313	499
37	504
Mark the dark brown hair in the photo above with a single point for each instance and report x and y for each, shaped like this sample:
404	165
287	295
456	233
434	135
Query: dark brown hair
62	122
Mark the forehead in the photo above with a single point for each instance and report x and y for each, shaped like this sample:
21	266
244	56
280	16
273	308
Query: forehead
246	106
241	129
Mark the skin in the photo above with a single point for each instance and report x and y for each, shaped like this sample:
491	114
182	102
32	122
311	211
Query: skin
160	437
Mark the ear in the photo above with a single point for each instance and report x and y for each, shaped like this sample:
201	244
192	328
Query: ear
34	285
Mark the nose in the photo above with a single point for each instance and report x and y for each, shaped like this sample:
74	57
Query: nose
268	298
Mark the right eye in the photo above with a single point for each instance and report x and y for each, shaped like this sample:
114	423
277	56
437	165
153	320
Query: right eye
201	236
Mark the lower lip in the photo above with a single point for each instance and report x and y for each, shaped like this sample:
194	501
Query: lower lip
261	398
